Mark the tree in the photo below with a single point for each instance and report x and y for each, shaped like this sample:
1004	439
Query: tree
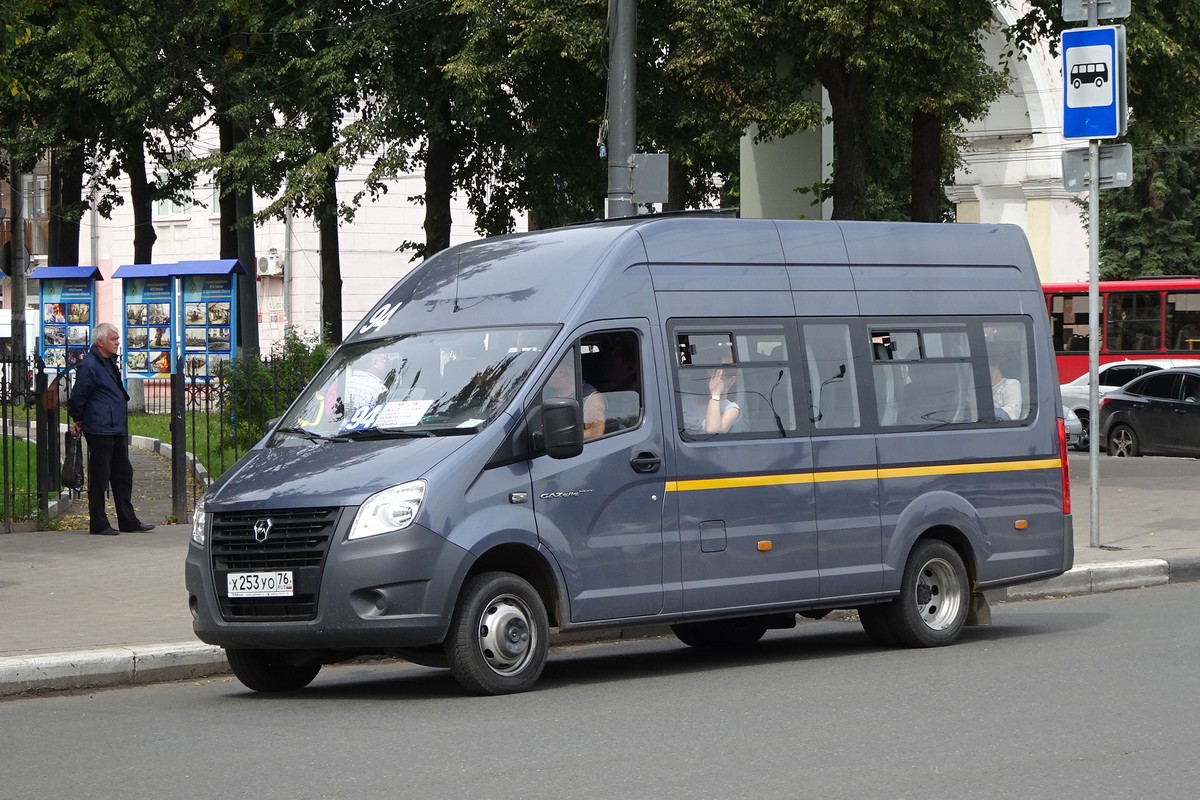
887	67
541	66
1153	226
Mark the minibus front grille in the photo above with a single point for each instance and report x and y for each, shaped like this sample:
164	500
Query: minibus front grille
293	540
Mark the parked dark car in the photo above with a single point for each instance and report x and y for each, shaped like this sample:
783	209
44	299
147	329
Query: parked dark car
1156	414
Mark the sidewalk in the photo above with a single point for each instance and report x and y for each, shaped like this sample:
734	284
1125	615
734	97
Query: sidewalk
81	611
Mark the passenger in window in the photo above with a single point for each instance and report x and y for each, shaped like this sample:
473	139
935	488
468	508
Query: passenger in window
562	384
1006	392
621	367
714	413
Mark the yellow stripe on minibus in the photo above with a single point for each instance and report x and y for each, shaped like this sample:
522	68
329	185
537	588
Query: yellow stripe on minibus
832	476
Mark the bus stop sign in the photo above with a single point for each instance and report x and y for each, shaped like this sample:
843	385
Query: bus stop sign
1094	104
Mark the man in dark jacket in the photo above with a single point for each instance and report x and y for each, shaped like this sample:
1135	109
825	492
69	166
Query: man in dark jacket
98	404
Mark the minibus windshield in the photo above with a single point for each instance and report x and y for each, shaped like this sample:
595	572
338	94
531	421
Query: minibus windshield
424	384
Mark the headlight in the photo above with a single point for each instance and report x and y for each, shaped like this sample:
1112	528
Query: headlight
390	510
199	524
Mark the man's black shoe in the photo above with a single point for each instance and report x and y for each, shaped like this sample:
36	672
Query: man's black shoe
141	528
106	532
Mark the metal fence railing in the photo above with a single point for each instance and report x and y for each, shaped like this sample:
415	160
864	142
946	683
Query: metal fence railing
209	422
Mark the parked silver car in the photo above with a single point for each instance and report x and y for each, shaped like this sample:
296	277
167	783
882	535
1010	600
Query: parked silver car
1075	434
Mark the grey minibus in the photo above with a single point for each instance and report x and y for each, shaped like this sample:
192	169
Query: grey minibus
694	420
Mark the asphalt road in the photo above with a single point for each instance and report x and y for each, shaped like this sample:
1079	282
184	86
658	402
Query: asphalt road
1085	697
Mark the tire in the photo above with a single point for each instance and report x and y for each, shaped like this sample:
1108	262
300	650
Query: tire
724	634
1076	83
935	595
1087	432
1123	442
876	621
499	635
273	670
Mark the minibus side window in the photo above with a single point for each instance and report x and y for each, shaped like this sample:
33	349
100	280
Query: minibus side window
603	372
832	381
923	376
705	381
734	383
764	388
1008	357
611	362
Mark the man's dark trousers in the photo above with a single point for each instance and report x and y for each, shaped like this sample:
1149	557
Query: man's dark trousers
108	463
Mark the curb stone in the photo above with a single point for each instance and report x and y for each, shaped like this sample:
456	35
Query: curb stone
167	662
114	667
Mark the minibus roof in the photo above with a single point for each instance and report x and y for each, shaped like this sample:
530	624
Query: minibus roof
538	277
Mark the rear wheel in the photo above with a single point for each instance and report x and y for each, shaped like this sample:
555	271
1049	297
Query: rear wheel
726	634
1123	442
499	635
273	670
934	596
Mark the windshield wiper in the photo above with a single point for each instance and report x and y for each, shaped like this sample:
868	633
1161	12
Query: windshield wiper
304	433
374	434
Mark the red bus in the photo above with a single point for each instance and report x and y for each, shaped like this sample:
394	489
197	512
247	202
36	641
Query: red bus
1144	318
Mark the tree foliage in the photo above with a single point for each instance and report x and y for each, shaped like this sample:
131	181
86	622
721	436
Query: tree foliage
885	66
502	102
1153	226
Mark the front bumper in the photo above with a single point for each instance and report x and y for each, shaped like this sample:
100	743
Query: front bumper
392	590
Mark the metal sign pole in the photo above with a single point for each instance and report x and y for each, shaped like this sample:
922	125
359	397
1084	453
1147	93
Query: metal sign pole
1095	333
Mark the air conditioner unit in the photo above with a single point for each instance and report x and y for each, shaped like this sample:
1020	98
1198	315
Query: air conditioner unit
270	266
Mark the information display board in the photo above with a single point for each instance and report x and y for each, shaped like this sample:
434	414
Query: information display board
67	298
147	339
209	323
186	310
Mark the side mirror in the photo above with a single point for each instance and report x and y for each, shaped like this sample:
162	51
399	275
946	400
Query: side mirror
562	428
270	424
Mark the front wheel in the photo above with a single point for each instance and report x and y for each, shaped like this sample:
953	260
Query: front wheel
499	635
1123	442
934	596
273	670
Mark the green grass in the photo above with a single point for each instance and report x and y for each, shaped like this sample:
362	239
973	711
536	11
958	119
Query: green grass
203	434
22	476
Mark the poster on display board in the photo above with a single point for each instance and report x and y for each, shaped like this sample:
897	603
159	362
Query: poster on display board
67	298
209	324
147	339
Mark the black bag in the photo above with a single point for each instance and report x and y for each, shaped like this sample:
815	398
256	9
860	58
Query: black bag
72	471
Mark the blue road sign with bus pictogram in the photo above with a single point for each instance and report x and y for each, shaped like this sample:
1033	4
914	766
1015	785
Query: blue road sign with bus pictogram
1094	104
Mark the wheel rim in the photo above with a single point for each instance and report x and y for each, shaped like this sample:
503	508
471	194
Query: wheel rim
507	640
1122	442
938	594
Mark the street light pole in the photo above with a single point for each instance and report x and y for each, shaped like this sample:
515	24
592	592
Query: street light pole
622	104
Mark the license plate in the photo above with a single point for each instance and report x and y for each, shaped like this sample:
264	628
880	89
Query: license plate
260	584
